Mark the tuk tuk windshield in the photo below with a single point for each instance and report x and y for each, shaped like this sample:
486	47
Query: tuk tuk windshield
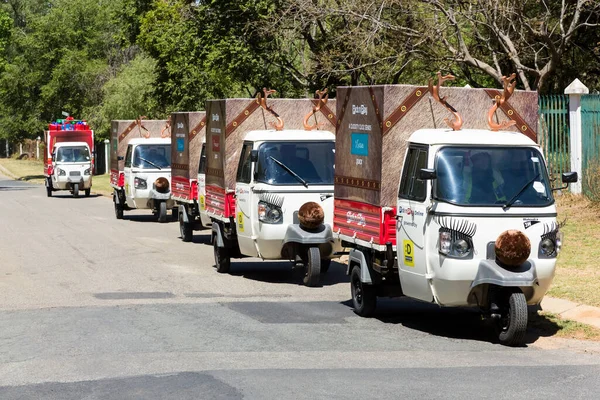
152	156
312	162
495	176
72	154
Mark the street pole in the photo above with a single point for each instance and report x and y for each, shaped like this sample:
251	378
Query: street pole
37	147
106	149
575	90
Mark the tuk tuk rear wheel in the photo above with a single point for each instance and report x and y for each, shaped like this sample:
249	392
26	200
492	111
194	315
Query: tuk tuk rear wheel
185	228
512	325
87	192
222	257
313	267
162	211
364	297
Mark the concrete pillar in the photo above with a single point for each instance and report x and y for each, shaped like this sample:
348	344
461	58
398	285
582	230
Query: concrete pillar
575	90
106	151
20	149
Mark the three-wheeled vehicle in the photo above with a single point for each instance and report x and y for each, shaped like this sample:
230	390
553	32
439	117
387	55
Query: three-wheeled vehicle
475	225
71	168
141	178
281	207
188	169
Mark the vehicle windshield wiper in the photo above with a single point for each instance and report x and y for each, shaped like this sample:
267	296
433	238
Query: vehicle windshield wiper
514	198
150	162
288	169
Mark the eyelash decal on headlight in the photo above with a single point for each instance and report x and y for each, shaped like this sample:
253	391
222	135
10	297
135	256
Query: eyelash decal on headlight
460	226
271	198
551	230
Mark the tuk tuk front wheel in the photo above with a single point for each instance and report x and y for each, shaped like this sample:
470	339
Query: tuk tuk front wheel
222	257
76	190
512	325
162	211
313	267
364	297
49	187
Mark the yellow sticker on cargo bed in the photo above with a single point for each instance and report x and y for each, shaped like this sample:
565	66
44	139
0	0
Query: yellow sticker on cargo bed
409	257
202	204
240	221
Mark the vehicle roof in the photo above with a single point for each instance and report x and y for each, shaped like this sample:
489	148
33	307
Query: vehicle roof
290	135
65	144
150	141
470	137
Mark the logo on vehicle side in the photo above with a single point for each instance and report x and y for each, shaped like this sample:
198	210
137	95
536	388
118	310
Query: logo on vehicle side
355	218
360	144
409	211
362	109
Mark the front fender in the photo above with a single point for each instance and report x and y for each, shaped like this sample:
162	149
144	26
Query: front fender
489	272
296	234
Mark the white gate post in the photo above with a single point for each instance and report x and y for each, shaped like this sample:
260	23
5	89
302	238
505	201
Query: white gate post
106	149
575	90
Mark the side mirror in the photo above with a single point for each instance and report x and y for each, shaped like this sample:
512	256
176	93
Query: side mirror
569	177
120	158
254	155
426	174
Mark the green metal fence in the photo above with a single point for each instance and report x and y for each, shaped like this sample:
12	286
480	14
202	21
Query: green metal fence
553	133
590	143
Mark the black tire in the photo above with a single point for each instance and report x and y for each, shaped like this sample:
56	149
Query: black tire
87	192
162	211
185	229
222	257
174	213
118	208
325	263
313	267
513	322
49	187
76	190
364	297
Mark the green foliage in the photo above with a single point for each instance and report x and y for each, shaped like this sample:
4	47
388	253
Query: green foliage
129	95
116	59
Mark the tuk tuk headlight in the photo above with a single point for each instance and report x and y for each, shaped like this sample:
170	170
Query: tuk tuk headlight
269	213
140	183
461	247
87	171
61	172
548	247
455	245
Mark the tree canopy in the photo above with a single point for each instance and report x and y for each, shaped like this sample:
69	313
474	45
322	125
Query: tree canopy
118	59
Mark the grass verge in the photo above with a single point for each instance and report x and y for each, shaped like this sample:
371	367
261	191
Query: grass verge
25	170
548	324
33	171
578	270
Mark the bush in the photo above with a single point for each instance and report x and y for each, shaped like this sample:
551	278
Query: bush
591	180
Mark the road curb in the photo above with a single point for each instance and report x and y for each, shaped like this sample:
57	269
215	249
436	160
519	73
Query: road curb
573	311
7	173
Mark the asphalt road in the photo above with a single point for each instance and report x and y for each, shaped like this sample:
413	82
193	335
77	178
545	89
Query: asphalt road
96	308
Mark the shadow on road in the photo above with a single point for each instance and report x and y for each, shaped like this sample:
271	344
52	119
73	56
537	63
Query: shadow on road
283	272
31	177
452	322
67	195
146	218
